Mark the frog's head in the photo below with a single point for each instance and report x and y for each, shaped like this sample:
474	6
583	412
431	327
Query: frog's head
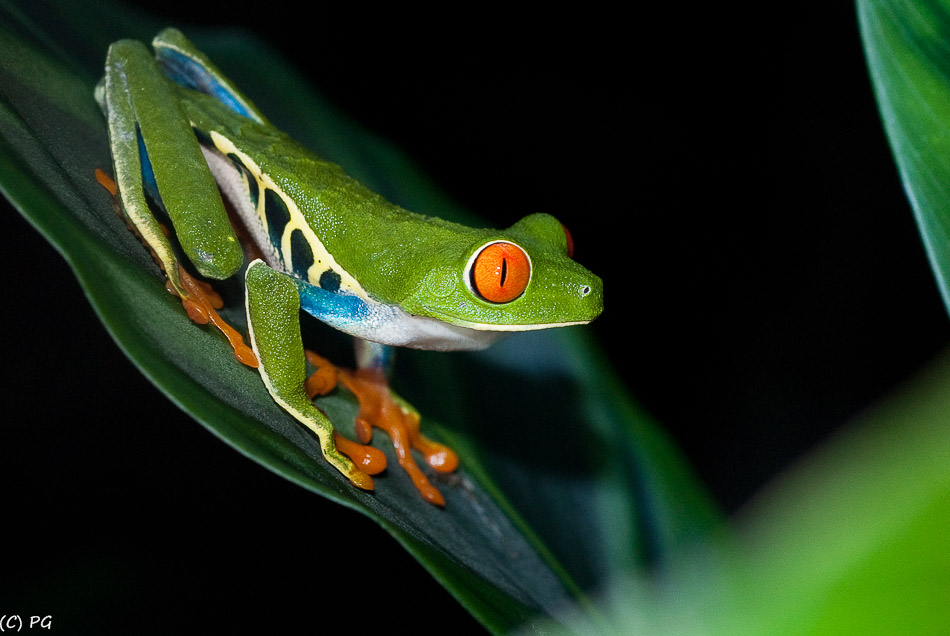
518	279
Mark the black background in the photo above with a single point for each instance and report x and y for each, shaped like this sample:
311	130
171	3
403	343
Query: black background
725	172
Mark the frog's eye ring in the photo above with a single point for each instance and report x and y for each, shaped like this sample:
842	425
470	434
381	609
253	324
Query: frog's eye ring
499	272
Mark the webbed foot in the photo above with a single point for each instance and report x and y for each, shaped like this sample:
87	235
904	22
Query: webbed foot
381	408
201	304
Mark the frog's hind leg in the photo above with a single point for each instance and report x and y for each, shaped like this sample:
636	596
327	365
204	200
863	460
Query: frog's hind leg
154	150
187	66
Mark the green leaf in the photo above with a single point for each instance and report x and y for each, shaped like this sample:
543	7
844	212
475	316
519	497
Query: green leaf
527	531
907	45
854	538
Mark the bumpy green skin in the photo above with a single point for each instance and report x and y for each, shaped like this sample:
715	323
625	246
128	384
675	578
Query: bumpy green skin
402	269
402	258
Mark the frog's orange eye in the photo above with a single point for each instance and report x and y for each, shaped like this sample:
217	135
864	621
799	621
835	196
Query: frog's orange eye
500	272
570	241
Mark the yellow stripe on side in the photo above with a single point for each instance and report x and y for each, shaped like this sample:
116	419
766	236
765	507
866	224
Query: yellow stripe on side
323	260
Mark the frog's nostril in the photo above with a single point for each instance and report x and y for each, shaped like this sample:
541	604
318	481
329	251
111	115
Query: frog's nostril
585	290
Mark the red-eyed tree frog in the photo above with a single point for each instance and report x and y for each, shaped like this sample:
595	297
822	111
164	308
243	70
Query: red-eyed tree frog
182	135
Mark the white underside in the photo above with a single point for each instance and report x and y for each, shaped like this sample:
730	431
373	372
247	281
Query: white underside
392	326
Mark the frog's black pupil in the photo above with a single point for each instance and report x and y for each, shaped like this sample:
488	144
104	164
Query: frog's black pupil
504	271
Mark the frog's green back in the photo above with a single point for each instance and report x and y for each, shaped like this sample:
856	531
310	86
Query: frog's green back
356	233
312	220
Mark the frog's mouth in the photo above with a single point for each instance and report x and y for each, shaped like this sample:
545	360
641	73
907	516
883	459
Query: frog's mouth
423	332
393	326
515	328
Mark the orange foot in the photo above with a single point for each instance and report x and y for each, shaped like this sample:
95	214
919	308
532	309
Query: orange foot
380	408
201	302
201	305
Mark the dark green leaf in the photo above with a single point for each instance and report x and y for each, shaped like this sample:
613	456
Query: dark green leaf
907	46
851	541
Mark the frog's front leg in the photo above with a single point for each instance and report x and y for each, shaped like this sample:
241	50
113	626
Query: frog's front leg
273	316
382	408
